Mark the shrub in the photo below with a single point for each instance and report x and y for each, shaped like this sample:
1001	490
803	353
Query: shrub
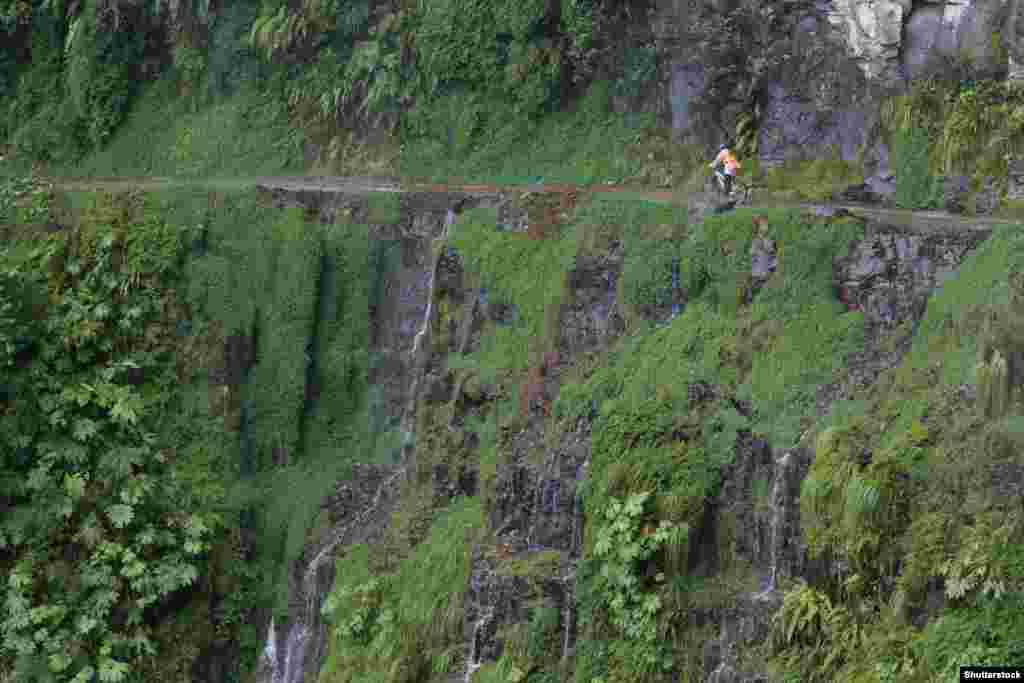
916	187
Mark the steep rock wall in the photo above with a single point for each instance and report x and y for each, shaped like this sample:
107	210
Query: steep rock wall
535	516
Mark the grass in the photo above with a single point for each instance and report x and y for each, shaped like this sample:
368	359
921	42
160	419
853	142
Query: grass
245	135
804	332
815	180
410	627
583	145
501	259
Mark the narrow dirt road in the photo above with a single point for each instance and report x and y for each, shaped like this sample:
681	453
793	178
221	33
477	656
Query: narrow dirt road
914	221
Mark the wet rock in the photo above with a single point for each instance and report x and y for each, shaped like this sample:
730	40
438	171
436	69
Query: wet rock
954	193
592	319
512	217
891	272
987	200
763	260
744	626
358	510
1015	177
687	84
863	193
505	592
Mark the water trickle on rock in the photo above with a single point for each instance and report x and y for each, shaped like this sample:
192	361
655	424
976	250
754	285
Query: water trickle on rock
286	662
676	308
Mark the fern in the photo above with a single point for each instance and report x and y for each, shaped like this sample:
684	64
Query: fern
862	498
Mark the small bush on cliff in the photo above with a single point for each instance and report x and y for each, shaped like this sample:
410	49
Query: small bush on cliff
624	545
816	180
916	187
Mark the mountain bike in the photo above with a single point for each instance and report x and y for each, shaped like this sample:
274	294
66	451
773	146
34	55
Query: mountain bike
741	190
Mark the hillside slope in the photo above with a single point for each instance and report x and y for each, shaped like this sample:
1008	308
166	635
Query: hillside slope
505	402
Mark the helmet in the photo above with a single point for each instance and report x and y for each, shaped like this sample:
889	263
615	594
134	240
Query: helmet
724	145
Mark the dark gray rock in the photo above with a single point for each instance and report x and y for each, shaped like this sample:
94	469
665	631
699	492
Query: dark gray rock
763	259
988	199
593	318
927	37
891	272
512	217
1015	177
796	127
863	193
955	190
824	211
687	84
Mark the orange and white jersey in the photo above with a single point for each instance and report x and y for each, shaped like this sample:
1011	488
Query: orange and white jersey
729	160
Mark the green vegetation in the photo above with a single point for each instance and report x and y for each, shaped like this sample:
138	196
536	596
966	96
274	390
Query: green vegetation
403	625
815	180
172	362
186	375
582	146
945	127
916	187
499	260
773	352
917	510
245	135
102	529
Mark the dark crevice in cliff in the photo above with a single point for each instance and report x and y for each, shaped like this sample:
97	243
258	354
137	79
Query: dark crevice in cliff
244	367
322	309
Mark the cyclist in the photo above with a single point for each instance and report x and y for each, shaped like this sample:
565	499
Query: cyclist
726	166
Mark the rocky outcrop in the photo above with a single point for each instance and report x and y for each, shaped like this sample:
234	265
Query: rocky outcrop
891	272
358	511
1015	189
873	32
815	79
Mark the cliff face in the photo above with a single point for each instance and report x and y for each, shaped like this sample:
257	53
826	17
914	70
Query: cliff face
433	309
814	74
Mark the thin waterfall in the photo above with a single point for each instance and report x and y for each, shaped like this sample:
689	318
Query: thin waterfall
294	656
288	663
676	308
419	364
474	659
776	529
568	615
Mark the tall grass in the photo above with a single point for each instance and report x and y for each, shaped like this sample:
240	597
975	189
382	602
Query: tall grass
580	146
245	134
409	626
